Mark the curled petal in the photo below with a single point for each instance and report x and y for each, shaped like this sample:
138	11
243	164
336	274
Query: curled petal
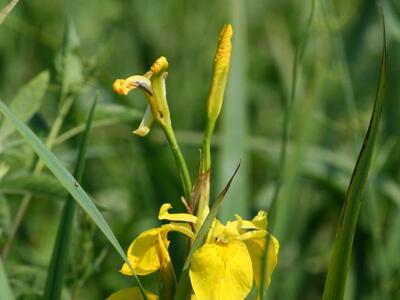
144	127
132	294
179	227
256	247
165	215
221	271
143	253
124	86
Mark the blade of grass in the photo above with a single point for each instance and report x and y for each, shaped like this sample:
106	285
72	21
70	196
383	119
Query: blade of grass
69	182
55	274
340	259
183	287
5	288
7	9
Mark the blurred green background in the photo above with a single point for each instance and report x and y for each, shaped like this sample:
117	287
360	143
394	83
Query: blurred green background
338	45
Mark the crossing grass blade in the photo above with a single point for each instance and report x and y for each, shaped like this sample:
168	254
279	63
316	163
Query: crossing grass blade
340	259
55	275
69	183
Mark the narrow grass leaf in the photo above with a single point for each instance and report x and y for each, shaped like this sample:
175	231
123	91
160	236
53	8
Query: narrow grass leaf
69	182
184	284
34	91
5	288
55	275
340	259
7	9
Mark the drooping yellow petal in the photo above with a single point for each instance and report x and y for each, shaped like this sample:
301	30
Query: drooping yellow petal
165	215
256	247
221	271
144	127
132	294
143	253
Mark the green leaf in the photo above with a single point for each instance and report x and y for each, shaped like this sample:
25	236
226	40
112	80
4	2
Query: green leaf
54	282
27	102
5	289
340	259
184	284
68	181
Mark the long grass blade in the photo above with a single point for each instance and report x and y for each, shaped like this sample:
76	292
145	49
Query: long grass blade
55	274
69	182
340	259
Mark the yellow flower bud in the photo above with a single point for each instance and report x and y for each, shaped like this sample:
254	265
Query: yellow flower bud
221	68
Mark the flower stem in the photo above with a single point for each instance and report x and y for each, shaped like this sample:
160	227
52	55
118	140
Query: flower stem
206	153
180	161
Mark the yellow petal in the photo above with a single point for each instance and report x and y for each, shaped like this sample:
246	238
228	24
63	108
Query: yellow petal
179	227
165	215
221	271
124	86
144	127
160	65
260	221
132	294
143	253
256	249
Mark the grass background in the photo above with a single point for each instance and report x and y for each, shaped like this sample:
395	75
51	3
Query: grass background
129	177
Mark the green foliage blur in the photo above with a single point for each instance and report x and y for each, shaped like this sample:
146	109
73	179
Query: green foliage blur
129	177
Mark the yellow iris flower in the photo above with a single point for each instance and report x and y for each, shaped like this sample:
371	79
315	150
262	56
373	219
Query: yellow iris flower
223	268
153	85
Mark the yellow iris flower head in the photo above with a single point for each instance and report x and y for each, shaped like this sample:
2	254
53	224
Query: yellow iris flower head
231	259
149	251
153	85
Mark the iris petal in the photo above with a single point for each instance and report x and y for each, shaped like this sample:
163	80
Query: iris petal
165	215
221	271
256	247
144	127
143	253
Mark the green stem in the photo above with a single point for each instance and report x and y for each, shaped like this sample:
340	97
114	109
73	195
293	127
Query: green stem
180	161
206	154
